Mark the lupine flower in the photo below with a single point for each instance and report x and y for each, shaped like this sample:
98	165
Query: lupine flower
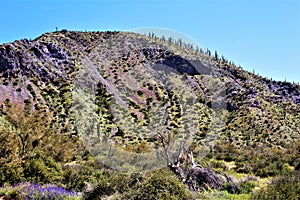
37	191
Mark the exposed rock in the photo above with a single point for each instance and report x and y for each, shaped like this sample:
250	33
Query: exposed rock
199	178
56	52
176	62
254	103
230	107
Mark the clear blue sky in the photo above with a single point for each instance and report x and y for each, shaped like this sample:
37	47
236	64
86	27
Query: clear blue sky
257	34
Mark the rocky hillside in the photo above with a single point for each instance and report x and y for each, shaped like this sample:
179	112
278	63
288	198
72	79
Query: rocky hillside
137	91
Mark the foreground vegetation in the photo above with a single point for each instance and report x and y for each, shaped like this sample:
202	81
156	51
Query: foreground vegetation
30	156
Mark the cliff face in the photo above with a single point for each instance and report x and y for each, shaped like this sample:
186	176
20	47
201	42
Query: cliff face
111	71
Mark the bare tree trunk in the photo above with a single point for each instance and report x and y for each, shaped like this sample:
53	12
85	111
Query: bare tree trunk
198	178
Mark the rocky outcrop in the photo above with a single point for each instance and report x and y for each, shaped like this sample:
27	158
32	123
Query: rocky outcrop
198	178
13	57
176	62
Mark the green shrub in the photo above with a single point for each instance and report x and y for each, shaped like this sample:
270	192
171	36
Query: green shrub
75	178
286	186
162	184
110	184
43	170
29	149
11	173
10	193
247	187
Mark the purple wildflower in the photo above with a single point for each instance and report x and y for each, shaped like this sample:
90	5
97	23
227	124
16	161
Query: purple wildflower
37	191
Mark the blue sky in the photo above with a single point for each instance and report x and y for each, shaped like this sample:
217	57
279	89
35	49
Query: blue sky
260	35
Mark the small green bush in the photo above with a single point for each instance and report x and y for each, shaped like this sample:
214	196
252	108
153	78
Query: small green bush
286	186
11	173
43	170
76	178
162	184
247	187
110	184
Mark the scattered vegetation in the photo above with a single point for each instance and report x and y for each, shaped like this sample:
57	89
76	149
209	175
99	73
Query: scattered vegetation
161	184
285	186
247	124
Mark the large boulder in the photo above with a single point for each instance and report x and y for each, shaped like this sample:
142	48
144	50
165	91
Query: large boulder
200	178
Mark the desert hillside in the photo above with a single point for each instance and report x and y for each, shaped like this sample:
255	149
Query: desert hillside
108	102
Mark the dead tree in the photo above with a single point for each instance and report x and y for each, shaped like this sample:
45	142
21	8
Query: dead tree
198	178
177	170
